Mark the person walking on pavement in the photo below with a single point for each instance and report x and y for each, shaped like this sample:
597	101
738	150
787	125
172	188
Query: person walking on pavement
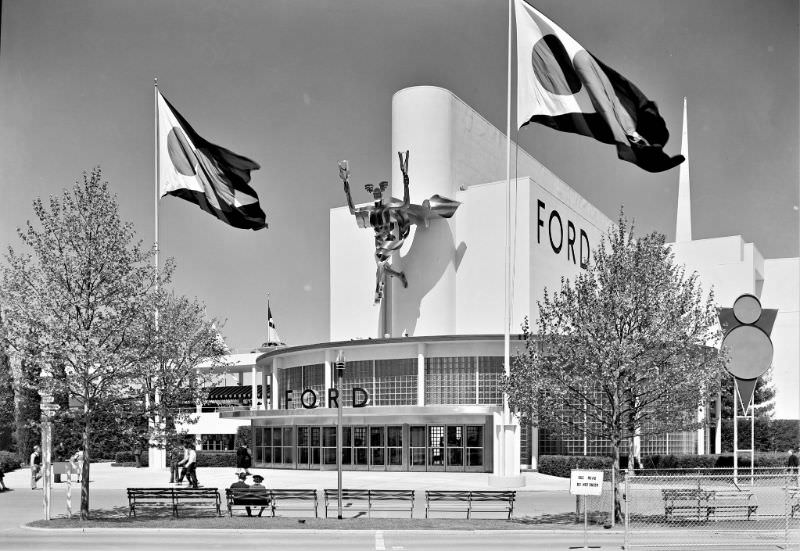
189	463
792	464
182	464
36	466
243	459
137	454
76	464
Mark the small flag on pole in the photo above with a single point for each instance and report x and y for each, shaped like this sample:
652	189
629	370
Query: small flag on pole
561	85
214	178
272	333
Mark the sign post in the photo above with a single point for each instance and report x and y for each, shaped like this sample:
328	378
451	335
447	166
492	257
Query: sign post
585	483
48	408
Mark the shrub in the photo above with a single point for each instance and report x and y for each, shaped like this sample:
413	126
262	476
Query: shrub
9	461
243	436
679	461
561	465
216	459
124	458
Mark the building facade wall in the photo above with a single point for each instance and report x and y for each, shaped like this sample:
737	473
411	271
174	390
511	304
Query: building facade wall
732	267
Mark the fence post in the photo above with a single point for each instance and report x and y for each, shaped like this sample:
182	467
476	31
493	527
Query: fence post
626	496
786	508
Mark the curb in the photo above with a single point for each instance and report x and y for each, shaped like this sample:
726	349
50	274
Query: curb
306	531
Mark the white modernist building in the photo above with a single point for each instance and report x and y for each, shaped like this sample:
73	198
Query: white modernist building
430	356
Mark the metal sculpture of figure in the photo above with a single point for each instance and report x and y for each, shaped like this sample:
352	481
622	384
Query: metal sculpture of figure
392	219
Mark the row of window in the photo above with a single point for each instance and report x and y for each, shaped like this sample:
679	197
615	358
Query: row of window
416	447
455	381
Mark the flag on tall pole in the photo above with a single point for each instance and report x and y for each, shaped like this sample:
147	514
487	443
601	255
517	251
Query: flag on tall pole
561	85
214	178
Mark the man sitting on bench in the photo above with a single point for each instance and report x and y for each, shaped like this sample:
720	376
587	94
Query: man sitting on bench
257	479
241	484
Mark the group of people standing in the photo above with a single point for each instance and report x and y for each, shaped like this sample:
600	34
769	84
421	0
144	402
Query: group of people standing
59	455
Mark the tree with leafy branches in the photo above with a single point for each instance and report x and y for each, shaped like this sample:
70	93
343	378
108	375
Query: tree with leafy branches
621	350
172	347
78	297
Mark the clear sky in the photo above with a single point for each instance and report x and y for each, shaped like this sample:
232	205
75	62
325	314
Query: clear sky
299	84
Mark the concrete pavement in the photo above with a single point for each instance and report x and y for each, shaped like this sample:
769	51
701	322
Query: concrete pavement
541	495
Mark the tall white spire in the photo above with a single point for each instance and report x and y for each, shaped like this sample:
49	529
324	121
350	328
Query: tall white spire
683	224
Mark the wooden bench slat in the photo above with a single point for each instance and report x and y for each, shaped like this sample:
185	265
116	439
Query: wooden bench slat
371	500
286	498
488	501
172	497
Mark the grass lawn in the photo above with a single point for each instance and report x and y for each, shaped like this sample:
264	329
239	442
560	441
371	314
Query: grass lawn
113	519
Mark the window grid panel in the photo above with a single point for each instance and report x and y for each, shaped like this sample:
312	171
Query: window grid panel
356	374
395	382
314	378
450	380
290	379
490	376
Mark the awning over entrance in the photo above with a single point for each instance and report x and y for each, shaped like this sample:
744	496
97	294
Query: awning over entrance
232	392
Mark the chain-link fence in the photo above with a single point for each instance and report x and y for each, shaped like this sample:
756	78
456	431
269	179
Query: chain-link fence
719	510
599	509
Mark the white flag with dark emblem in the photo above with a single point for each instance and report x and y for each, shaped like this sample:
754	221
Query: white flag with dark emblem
561	85
214	178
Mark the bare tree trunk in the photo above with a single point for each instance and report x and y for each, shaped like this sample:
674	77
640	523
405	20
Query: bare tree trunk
85	469
618	515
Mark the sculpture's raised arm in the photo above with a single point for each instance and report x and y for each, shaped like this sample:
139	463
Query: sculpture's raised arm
344	174
404	170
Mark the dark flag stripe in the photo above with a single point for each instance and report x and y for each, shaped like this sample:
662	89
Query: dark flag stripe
248	217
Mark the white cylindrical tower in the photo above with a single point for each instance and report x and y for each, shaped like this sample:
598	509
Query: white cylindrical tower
422	123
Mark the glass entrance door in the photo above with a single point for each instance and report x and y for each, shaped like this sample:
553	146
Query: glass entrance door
436	447
394	448
377	448
455	448
416	448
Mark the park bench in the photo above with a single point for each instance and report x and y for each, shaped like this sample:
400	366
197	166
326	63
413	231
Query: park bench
731	504
173	498
150	498
687	503
247	498
470	501
371	500
293	499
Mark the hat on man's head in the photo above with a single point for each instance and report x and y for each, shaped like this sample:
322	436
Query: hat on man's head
242	476
257	478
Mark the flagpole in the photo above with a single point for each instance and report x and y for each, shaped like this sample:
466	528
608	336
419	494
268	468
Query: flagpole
156	182
504	468
161	453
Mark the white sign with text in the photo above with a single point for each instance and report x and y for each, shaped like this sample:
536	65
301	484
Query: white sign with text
586	483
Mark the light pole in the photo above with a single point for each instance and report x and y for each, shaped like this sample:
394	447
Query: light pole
339	366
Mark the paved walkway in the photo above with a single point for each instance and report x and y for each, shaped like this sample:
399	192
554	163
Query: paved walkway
541	495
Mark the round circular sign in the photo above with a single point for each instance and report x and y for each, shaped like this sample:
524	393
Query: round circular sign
749	351
747	309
